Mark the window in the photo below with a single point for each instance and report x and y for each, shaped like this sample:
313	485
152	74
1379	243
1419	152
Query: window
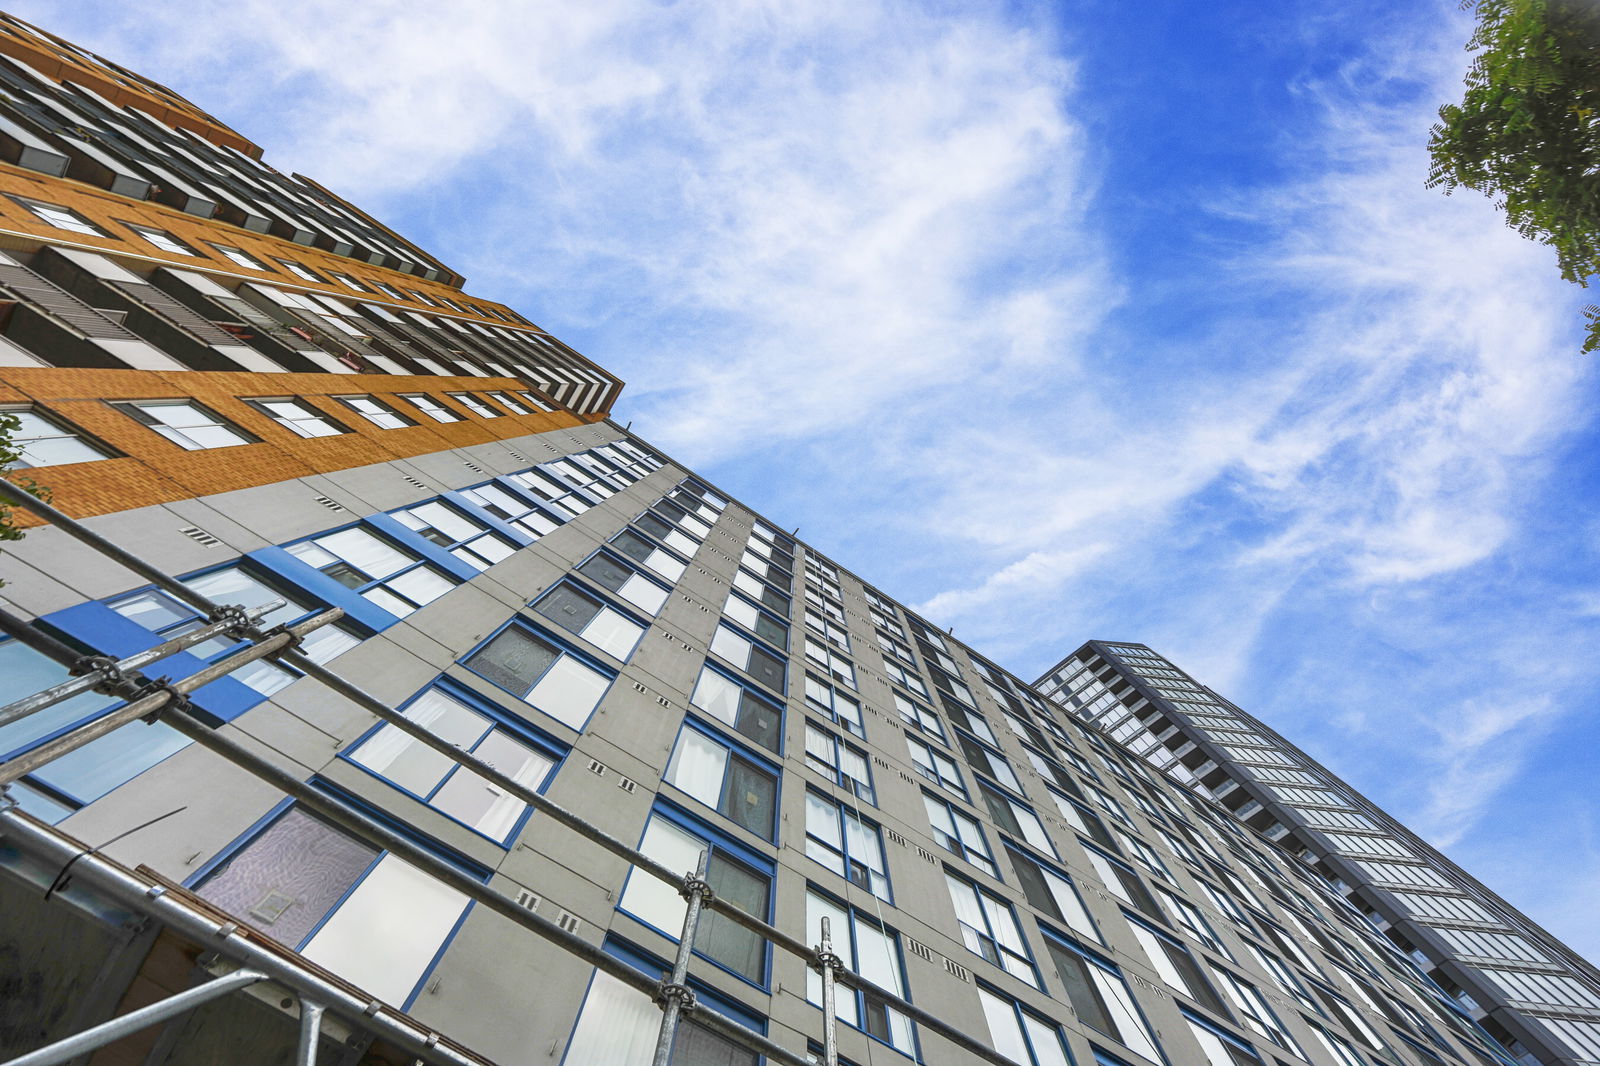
842	709
906	677
348	282
989	928
1021	1035
959	833
832	632
473	404
838	667
162	240
610	572
915	714
591	618
1122	882
456	791
376	411
757	621
1015	817
734	873
44	441
1257	1014
509	404
187	424
618	1027
733	704
372	918
667	534
61	217
1226	904
511	509
847	844
165	616
537	402
641	550
936	766
432	408
1220	1047
839	762
991	763
868	949
749	655
1189	917
542	673
1144	855
753	586
1100	996
1177	967
726	779
467	540
1051	891
299	417
300	270
1341	1050
688	521
241	257
380	573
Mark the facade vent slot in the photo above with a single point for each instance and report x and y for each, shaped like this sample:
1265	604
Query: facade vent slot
518	456
639	688
926	855
329	504
894	837
881	761
527	900
412	481
921	951
628	785
200	536
474	467
597	768
568	921
906	777
956	970
663	701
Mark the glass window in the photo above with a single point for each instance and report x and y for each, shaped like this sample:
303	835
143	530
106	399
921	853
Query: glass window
167	617
300	270
542	673
754	587
735	705
1177	967
348	282
1122	882
868	949
846	843
842	709
512	509
723	778
1252	1007
241	257
432	408
669	535
509	404
187	424
373	919
757	621
905	676
618	1026
988	762
474	404
1051	892
610	572
45	441
1100	997
299	417
1219	1047
832	632
959	833
469	541
839	762
935	765
990	928
825	658
1188	916
1019	1034
162	240
915	714
370	566
644	551
437	780
733	874
749	655
376	411
591	618
1015	817
61	217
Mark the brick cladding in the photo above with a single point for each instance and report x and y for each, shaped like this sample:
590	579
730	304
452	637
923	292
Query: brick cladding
151	469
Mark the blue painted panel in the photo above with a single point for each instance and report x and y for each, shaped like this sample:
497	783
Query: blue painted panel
322	587
420	545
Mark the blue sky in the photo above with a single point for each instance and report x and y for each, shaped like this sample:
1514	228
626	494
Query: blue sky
1101	320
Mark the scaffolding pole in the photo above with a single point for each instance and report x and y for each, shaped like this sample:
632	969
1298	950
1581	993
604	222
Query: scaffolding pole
674	996
828	963
360	825
310	1032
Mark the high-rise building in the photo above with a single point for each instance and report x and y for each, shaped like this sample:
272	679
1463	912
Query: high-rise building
1523	985
485	676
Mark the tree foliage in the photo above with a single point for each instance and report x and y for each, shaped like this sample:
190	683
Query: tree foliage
9	454
1528	128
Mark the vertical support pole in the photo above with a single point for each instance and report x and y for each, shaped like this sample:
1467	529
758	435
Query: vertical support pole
828	961
310	1032
675	996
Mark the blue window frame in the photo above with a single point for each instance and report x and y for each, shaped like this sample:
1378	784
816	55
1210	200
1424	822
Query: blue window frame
751	585
465	538
1015	817
767	626
591	618
374	568
1098	993
843	841
648	553
667	534
936	766
917	716
988	762
477	727
616	575
959	833
364	913
1050	891
501	502
727	777
542	671
840	762
744	652
736	704
872	950
555	491
840	707
1020	1034
80	777
736	873
686	520
990	928
1220	1047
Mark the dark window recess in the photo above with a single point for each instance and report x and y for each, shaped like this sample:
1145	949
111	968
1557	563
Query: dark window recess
719	937
633	546
653	525
515	659
568	608
606	572
766	668
749	796
771	631
1081	991
758	720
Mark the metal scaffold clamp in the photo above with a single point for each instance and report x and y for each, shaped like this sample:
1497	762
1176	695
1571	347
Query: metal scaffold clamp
695	885
239	621
682	995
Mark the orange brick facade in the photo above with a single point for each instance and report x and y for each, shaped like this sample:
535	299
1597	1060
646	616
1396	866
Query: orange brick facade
151	469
